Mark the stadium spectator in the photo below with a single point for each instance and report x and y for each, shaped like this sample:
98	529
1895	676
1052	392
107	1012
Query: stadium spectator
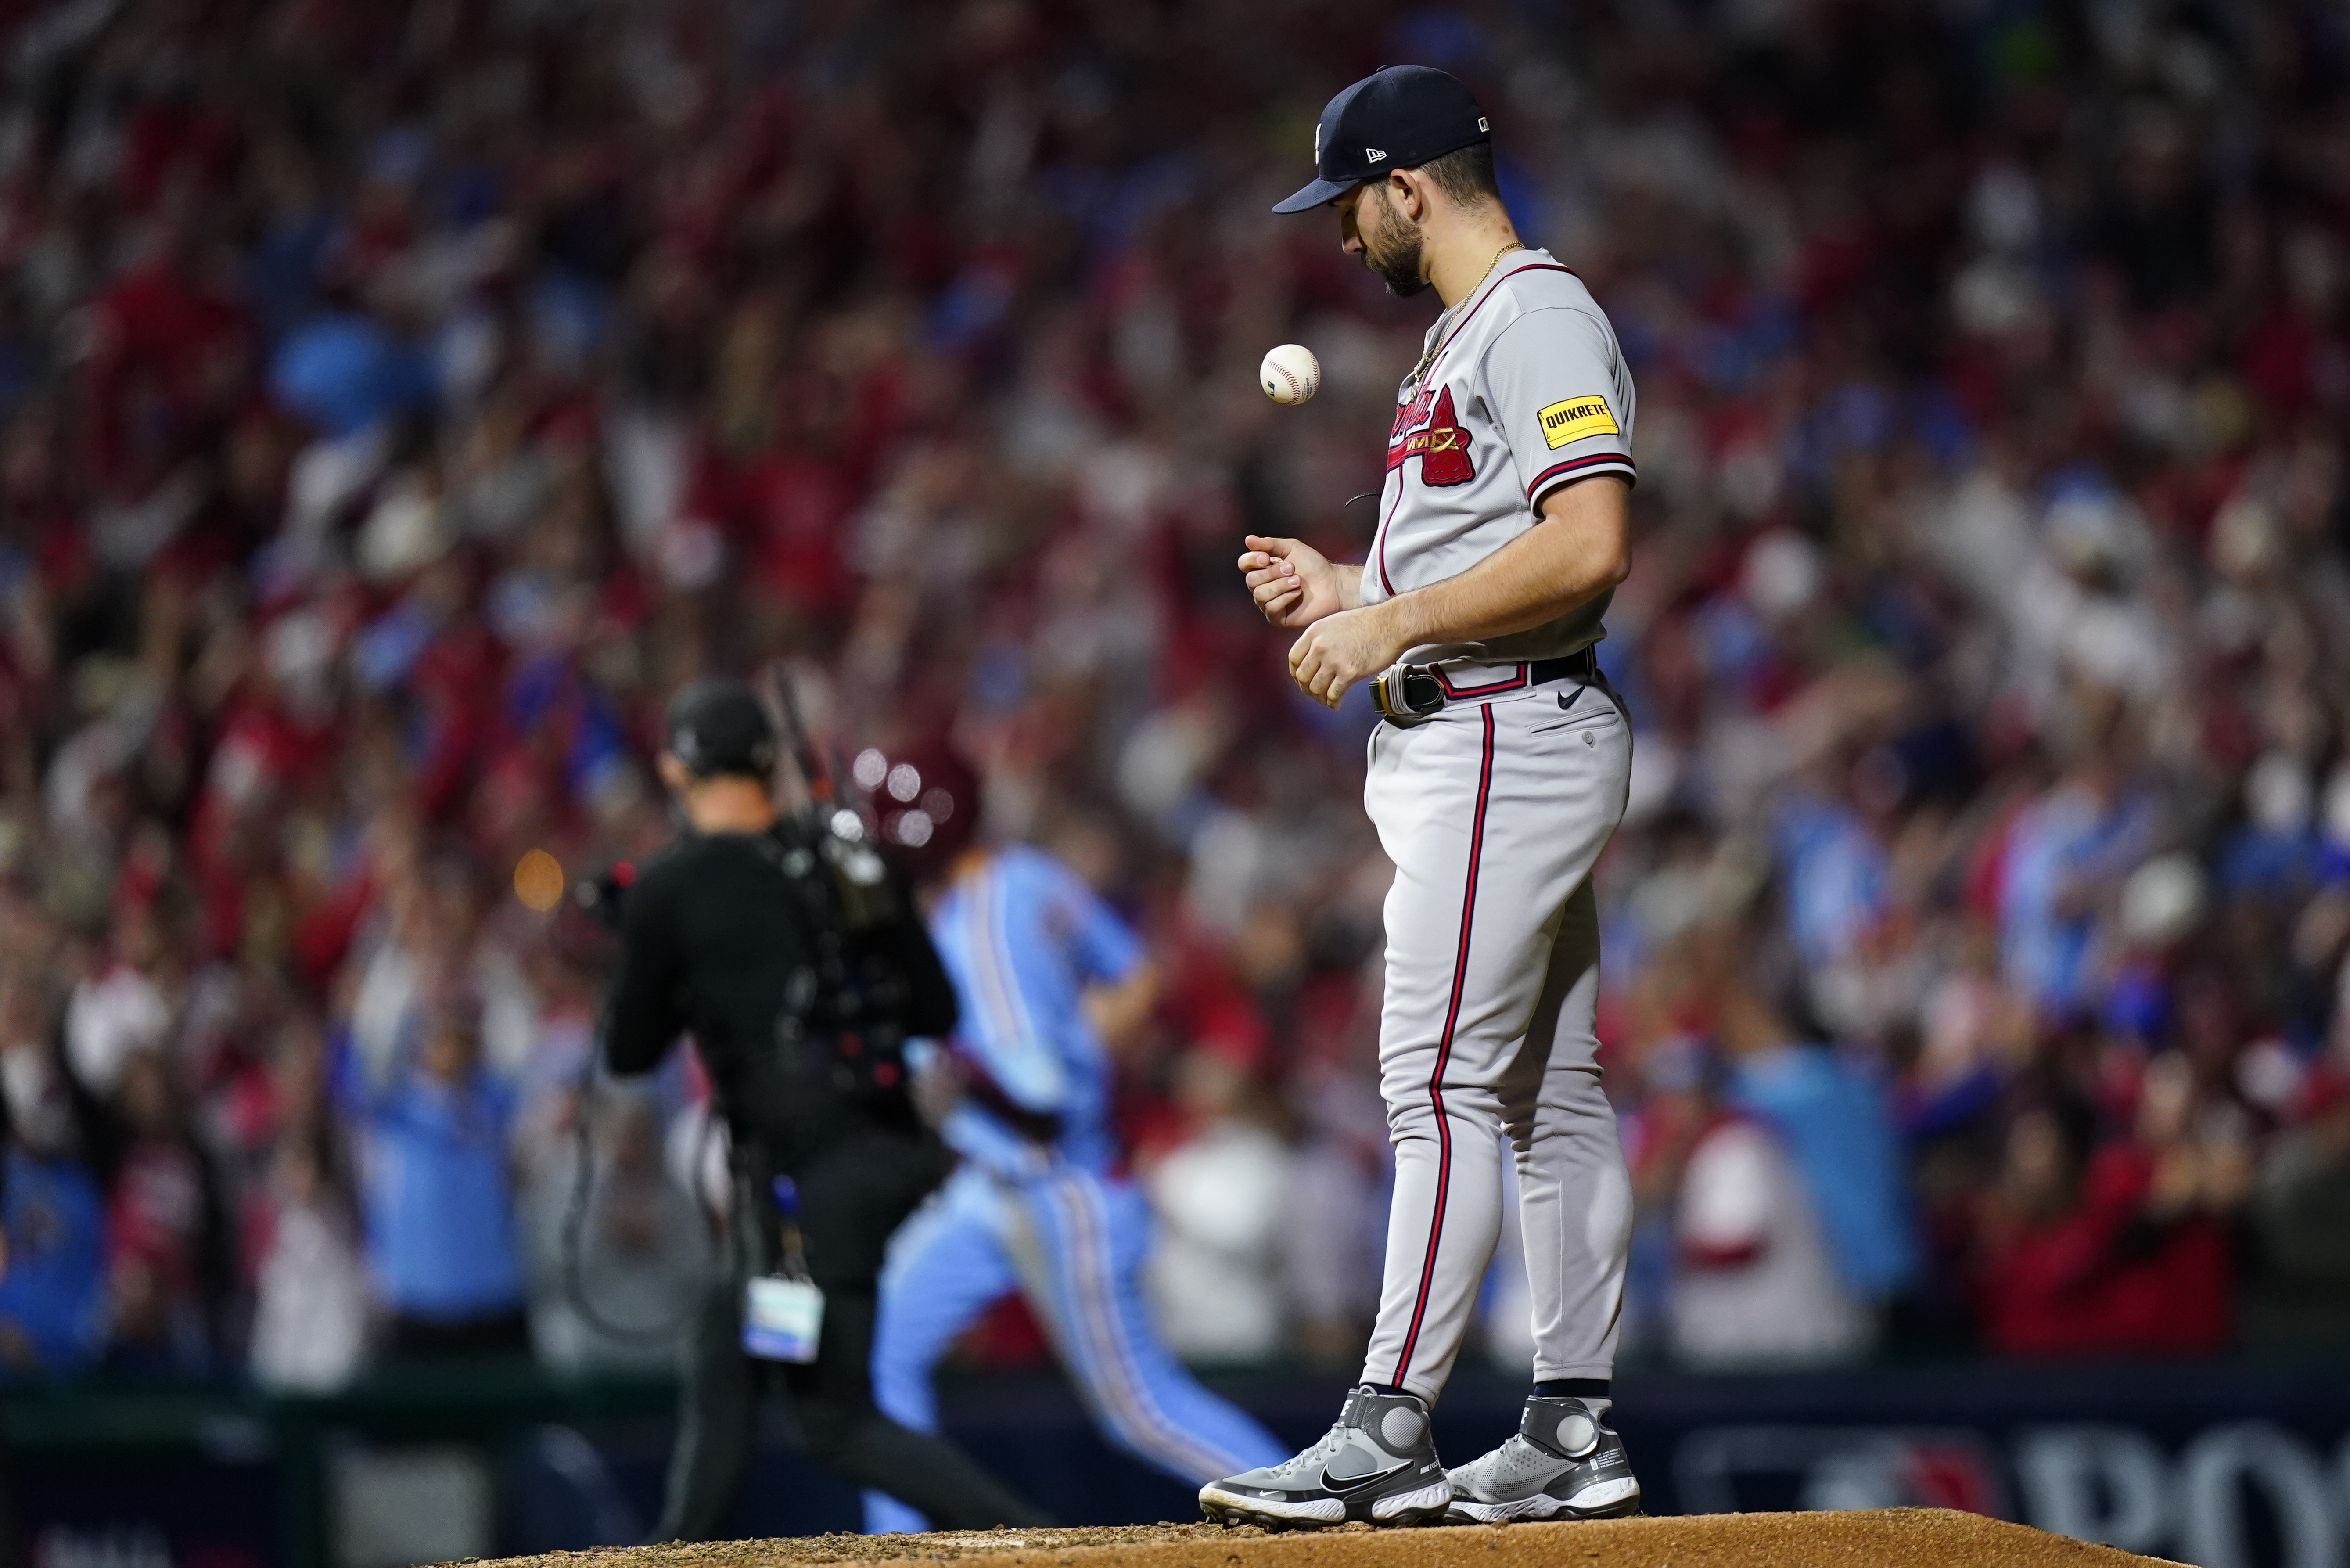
53	1316
1756	1282
53	1299
2120	1251
1215	1278
2299	1214
437	1196
170	1255
1837	1132
310	1290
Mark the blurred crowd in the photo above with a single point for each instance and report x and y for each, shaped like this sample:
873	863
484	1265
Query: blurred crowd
398	400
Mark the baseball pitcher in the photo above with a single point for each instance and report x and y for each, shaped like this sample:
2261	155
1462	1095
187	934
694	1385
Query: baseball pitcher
1497	773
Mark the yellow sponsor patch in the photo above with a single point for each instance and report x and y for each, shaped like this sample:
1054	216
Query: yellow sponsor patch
1576	418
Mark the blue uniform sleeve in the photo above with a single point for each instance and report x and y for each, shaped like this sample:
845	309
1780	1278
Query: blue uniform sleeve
1105	947
1025	1067
1000	1032
991	1145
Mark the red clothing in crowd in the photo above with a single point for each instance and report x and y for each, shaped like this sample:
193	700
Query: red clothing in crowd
2107	1279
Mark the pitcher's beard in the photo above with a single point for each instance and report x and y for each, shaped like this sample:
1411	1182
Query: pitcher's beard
1400	272
1391	250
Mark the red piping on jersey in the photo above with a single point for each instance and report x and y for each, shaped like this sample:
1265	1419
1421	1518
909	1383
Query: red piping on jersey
1490	687
1454	335
1380	545
1590	460
1444	1056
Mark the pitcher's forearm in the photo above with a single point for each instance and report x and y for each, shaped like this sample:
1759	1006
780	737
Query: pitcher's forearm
1350	586
1576	553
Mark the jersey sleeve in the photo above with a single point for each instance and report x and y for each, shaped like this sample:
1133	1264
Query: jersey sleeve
1104	947
641	1016
1556	386
1000	1034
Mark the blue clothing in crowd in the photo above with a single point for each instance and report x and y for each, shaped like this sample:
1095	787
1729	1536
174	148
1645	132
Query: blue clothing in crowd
345	372
55	1291
1838	1128
438	1201
2051	947
1836	878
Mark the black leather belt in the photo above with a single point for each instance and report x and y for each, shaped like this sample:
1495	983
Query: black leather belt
1410	691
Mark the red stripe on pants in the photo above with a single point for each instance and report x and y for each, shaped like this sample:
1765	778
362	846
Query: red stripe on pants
1444	1053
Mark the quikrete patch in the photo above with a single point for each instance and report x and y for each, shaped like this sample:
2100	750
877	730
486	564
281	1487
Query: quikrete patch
1576	418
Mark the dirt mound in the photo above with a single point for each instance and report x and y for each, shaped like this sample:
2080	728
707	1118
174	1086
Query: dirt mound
1910	1537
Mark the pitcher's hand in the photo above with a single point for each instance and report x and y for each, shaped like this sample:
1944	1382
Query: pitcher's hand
1295	584
1339	649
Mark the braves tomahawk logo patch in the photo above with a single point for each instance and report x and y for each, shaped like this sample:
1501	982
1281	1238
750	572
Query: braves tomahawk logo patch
1425	428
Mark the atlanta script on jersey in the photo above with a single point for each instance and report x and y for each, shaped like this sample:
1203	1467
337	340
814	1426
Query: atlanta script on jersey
1425	428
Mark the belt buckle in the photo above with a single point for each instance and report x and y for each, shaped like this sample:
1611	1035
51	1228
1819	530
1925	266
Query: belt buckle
1391	695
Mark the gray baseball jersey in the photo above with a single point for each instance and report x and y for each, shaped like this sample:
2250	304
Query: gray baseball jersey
1494	810
1521	389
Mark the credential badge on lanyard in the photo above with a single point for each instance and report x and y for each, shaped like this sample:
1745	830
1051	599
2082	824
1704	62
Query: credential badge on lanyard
782	1313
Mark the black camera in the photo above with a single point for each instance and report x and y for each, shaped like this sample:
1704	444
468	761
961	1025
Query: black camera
846	995
599	897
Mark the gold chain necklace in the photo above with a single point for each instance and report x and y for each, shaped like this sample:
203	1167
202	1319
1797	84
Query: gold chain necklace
1443	333
1506	250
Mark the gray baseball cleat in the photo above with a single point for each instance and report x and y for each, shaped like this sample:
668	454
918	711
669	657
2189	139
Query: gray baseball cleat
1378	1465
1562	1462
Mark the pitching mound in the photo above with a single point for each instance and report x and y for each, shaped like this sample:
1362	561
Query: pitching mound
1906	1537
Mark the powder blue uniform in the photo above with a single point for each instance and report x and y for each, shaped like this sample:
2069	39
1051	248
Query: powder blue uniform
1023	937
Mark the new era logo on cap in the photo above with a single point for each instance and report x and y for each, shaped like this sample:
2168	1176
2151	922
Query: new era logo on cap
1403	115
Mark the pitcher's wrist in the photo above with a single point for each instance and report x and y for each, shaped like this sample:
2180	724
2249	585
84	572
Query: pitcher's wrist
1401	620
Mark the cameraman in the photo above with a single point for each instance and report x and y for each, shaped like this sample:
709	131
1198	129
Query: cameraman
737	933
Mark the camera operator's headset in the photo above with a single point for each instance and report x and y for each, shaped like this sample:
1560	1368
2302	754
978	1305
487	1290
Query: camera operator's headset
720	725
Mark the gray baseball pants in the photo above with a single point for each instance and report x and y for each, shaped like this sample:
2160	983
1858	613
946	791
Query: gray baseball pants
1494	813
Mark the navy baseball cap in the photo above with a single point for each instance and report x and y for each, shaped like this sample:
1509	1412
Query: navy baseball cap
1397	118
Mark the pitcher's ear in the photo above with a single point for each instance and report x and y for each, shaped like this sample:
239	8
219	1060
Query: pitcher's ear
1408	189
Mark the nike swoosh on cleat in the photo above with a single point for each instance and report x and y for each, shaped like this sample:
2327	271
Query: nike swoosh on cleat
1349	1488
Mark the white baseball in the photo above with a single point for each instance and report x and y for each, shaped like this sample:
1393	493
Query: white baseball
1290	374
